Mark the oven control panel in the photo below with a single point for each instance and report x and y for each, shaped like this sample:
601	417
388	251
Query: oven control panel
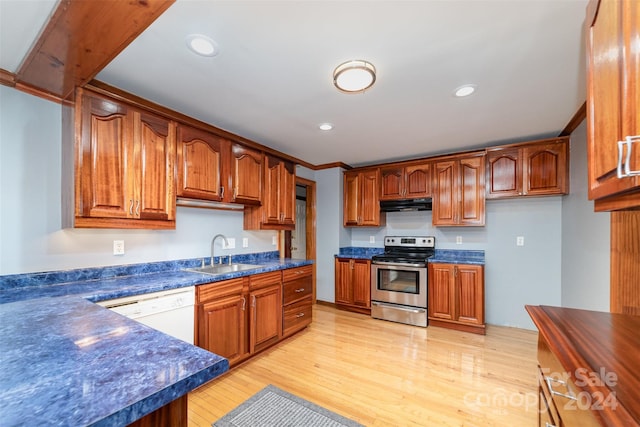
411	241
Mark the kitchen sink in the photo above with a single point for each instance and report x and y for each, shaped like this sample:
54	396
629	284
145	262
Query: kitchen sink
224	268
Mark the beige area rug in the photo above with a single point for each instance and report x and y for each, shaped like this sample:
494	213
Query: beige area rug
272	407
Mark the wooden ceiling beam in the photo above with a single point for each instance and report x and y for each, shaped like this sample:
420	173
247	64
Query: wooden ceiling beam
81	38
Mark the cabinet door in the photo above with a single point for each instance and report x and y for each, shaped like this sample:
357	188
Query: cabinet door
545	169
446	196
156	143
418	181
271	203
266	317
469	281
613	100
392	183
361	283
344	290
246	165
472	201
107	162
351	199
504	173
287	193
222	327
441	298
200	160
370	204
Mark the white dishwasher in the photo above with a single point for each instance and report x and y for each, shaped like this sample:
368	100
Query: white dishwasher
170	311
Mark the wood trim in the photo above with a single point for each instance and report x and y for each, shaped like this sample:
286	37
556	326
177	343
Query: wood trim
81	38
326	303
7	78
575	121
618	202
131	99
625	262
332	165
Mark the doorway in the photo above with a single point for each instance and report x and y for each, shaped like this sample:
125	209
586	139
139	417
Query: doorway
301	242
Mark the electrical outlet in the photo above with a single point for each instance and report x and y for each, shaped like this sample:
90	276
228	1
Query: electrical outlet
372	239
245	242
118	247
231	243
458	240
520	241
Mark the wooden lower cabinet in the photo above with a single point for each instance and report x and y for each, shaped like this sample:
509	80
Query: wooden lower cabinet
265	317
353	284
456	296
221	319
237	318
297	299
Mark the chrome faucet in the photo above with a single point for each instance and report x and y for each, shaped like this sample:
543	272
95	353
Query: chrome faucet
226	242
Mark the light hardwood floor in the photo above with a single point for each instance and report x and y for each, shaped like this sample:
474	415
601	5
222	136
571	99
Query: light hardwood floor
386	374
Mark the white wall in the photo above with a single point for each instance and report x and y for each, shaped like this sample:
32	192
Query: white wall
330	233
514	276
31	237
585	237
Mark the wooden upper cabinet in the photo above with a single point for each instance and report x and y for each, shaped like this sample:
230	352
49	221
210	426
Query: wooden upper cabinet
459	193
200	164
405	182
361	199
539	168
213	168
246	166
279	198
124	166
613	101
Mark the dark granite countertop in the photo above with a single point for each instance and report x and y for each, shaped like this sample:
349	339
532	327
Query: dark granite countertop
67	361
448	256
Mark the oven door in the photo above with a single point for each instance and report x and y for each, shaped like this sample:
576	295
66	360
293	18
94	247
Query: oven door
399	284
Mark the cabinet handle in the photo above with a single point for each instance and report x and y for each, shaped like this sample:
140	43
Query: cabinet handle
455	271
549	380
299	290
244	303
628	142
131	207
137	207
546	424
253	302
299	315
235	192
222	192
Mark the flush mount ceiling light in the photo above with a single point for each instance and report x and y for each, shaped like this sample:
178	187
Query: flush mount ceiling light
465	90
354	76
202	45
325	126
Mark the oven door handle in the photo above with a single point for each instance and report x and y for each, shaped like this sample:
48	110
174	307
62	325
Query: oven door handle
396	307
395	264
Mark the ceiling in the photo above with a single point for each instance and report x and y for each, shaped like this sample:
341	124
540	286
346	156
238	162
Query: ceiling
272	80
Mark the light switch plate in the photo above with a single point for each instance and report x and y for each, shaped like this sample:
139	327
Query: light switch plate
458	240
372	239
245	242
520	241
231	243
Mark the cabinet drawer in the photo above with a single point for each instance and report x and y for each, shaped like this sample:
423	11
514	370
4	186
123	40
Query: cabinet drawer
294	290
215	290
262	280
573	407
295	273
297	316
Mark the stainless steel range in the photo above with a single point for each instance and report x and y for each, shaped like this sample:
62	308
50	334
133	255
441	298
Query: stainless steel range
399	279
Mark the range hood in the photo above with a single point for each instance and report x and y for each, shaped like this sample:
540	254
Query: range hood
423	204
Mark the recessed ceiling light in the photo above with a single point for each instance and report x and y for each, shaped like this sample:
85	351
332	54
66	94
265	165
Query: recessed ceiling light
354	76
202	45
465	90
325	126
